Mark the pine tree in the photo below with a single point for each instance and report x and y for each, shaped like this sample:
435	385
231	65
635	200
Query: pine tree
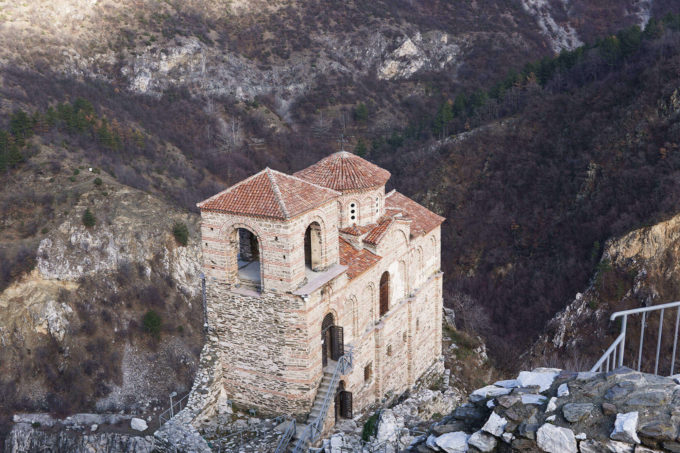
89	219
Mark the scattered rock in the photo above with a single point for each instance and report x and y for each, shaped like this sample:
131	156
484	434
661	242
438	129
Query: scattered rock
625	428
552	405
575	412
543	377
138	424
609	409
453	442
563	390
495	425
482	441
554	439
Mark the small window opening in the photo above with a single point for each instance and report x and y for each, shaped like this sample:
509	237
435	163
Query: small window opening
404	337
389	350
368	372
248	258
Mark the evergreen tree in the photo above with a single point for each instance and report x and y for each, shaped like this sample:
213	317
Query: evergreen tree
89	219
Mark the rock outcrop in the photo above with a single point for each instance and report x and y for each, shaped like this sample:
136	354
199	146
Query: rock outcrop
80	433
637	269
620	411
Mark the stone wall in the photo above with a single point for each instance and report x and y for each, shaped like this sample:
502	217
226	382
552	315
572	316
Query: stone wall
264	350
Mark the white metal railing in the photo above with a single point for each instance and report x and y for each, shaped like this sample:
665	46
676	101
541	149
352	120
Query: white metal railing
313	430
286	437
175	407
614	355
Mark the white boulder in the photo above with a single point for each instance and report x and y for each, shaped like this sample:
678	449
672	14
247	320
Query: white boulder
563	390
490	391
552	405
625	428
389	427
138	424
543	377
483	442
456	442
554	439
495	425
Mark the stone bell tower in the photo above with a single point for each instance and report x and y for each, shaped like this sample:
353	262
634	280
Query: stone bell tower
263	239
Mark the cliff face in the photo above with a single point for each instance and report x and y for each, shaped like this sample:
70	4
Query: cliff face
638	269
243	49
73	330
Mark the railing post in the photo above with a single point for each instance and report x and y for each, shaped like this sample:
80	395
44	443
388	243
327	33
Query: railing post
623	342
675	339
642	340
658	343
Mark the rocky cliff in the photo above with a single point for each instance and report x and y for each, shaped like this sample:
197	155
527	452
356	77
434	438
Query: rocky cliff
73	330
636	270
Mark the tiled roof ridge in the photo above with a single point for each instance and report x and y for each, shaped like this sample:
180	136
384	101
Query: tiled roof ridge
229	189
327	189
277	192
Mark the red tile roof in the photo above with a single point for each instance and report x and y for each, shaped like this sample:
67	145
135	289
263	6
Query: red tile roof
357	261
269	193
379	230
345	171
356	230
422	219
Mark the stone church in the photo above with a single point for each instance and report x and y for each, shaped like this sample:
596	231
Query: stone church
307	270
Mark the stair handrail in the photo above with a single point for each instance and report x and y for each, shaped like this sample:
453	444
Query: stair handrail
286	437
617	348
313	430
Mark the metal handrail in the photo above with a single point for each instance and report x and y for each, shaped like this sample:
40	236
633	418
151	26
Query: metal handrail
287	436
167	414
617	349
313	430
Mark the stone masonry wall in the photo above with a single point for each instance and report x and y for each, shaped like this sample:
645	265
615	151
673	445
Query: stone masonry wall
263	349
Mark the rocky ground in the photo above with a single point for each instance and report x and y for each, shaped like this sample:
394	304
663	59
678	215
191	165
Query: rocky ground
556	411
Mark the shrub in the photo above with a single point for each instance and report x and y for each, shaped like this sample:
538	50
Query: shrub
89	219
72	178
97	181
181	233
370	427
76	172
152	323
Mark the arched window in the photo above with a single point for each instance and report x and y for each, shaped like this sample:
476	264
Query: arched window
248	259
384	293
353	212
313	246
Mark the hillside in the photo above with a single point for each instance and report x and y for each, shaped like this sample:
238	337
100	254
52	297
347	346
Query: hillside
75	325
637	269
172	101
532	197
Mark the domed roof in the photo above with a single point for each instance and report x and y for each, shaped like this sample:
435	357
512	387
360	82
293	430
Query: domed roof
344	171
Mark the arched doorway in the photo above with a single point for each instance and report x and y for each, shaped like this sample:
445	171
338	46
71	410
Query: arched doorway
332	340
384	293
343	402
248	259
313	245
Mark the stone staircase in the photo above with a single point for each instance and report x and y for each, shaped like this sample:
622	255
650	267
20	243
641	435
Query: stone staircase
324	389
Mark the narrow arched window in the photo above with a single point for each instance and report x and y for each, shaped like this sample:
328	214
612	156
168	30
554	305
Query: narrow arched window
313	247
248	259
384	293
